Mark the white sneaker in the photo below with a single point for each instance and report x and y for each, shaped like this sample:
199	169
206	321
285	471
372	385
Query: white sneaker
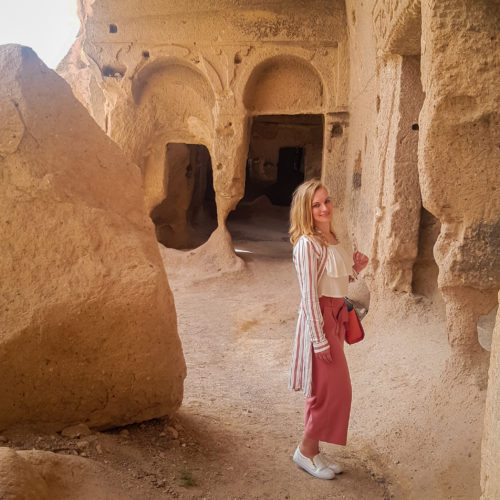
315	466
332	465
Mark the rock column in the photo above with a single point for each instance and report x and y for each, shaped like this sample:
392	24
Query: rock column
459	158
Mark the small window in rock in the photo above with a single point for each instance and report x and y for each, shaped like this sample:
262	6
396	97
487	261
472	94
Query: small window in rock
356	180
145	54
113	28
337	130
113	71
414	126
237	59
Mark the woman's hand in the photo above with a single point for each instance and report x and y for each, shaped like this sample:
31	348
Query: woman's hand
360	261
325	356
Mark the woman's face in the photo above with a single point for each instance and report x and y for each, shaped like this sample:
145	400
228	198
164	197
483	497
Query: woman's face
321	206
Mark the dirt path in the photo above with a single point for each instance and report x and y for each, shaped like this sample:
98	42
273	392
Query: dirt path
237	332
236	431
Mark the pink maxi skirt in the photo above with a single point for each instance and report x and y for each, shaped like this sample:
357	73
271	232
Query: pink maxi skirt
328	408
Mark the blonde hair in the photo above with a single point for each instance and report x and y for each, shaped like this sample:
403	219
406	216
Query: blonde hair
301	219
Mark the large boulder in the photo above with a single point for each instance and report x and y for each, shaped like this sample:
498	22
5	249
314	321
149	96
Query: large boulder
88	330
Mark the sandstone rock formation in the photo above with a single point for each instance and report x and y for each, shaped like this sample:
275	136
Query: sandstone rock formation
395	103
424	197
42	475
198	75
458	162
88	331
18	479
490	479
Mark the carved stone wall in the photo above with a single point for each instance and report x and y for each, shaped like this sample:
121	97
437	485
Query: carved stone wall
197	73
397	25
408	96
458	161
458	168
384	198
395	244
423	202
271	133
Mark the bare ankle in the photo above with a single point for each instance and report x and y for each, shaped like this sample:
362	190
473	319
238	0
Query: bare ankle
307	451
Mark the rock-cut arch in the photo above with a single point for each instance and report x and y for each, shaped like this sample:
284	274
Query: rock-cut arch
178	97
175	71
284	85
174	105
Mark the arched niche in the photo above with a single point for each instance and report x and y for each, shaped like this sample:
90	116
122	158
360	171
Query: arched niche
176	71
172	130
284	85
176	96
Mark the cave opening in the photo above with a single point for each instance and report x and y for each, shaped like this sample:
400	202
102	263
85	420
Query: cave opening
425	270
187	215
284	150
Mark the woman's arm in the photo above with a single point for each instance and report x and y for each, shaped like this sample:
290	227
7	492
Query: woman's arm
306	263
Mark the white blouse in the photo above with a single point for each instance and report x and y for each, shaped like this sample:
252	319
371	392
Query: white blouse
335	277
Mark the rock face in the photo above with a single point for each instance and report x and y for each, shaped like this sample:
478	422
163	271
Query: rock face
424	200
396	105
19	479
88	330
490	450
202	74
458	161
42	475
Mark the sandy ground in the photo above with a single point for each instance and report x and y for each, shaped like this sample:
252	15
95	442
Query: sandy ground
236	431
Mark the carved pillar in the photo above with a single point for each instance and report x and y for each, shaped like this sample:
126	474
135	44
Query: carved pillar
229	154
458	161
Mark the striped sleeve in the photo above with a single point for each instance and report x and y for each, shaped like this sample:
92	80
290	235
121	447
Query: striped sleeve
306	262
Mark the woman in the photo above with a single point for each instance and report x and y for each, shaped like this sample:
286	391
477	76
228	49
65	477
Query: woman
318	365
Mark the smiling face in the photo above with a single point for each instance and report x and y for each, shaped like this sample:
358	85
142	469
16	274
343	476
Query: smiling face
321	207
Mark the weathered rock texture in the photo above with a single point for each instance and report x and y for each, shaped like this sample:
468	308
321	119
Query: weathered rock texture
202	73
88	331
42	475
490	450
402	99
459	158
424	200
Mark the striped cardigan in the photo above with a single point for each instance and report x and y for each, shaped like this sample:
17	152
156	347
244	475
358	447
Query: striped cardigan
309	258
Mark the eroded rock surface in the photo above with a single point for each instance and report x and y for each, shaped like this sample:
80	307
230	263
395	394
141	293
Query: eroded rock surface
203	73
490	450
42	475
88	331
401	98
459	158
